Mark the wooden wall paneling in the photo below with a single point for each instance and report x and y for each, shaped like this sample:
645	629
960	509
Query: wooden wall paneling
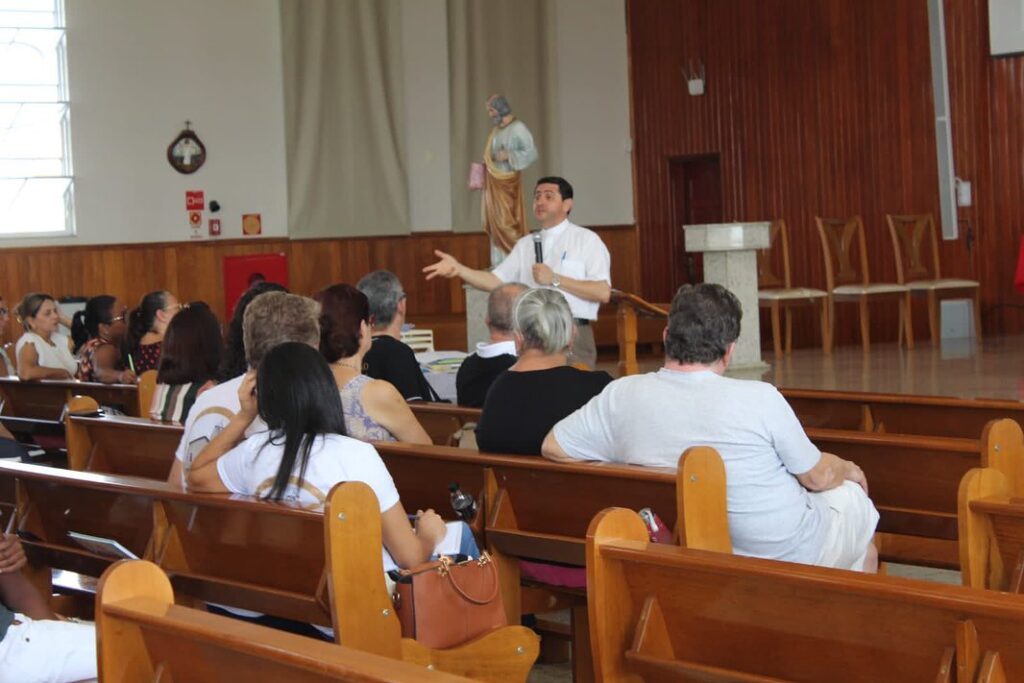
820	107
193	270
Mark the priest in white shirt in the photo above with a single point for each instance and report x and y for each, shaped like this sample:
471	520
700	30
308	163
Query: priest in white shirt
561	256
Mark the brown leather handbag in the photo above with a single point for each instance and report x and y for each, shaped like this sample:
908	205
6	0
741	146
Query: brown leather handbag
442	604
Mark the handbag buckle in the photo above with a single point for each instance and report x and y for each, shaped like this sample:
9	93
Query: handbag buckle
444	565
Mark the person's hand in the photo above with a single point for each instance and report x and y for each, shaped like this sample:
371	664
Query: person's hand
542	274
127	377
502	155
447	267
430	526
247	396
855	474
12	555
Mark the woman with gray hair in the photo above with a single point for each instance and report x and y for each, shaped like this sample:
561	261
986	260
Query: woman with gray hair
541	388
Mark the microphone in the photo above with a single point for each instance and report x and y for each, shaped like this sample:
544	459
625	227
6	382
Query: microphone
538	247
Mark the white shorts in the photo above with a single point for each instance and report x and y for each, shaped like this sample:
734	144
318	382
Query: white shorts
48	651
851	527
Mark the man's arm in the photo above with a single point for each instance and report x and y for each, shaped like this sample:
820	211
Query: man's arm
448	267
552	450
591	290
831	471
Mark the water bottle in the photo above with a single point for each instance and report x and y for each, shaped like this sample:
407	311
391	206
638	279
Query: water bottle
462	502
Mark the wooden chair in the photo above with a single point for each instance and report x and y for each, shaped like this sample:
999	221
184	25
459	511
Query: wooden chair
363	612
916	247
142	635
848	280
662	613
778	293
147	387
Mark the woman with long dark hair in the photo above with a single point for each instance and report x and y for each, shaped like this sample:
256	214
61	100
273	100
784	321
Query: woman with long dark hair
304	451
233	363
191	353
98	331
374	410
147	325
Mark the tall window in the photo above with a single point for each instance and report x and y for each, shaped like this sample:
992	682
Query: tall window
36	185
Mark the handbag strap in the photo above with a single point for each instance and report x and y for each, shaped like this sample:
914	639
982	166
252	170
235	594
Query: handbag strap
458	589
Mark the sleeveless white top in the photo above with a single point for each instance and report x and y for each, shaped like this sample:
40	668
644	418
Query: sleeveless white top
55	355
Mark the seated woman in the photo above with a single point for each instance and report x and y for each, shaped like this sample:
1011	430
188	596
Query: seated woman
42	352
374	410
191	354
526	401
98	331
305	452
147	325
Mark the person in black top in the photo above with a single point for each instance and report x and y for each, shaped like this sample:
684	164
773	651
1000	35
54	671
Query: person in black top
492	358
526	400
388	358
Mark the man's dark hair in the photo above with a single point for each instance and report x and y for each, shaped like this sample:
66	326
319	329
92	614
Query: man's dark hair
704	320
564	188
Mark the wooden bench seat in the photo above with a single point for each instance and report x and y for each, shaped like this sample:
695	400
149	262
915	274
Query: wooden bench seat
115	444
143	636
232	550
672	613
45	399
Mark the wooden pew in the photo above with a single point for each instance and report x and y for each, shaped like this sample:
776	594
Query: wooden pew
362	608
991	516
45	399
899	413
114	444
143	636
230	550
443	421
671	613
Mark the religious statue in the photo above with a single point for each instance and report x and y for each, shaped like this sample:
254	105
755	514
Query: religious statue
509	150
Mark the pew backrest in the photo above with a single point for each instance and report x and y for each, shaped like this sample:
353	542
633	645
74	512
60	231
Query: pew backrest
663	612
143	635
45	399
132	446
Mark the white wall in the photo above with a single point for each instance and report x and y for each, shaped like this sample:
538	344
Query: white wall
137	70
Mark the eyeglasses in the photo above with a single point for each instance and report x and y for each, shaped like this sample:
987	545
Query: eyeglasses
177	307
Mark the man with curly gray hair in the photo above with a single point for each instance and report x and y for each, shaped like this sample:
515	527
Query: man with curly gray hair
270	319
786	499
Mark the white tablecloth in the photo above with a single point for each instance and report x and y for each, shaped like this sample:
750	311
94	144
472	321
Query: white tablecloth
441	375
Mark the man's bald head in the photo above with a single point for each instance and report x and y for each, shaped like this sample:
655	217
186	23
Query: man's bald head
499	308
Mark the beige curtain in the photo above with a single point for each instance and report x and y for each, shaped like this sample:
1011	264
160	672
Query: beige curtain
507	47
344	118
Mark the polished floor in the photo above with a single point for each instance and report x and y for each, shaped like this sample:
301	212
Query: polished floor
961	367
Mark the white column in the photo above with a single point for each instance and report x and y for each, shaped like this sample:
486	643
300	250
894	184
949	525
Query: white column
730	260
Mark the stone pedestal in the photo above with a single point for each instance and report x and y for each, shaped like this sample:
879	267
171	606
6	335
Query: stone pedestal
730	260
476	313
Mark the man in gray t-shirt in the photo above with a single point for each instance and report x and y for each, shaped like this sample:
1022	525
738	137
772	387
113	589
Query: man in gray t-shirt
786	499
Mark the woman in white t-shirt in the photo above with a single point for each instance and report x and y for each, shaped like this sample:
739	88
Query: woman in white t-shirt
305	452
41	351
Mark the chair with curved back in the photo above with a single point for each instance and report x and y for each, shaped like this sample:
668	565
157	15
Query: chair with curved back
917	266
778	293
848	279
